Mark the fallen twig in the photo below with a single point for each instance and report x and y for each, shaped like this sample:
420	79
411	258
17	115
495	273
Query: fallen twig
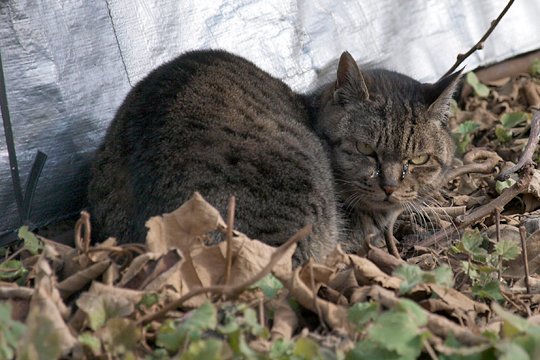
522	235
230	224
480	44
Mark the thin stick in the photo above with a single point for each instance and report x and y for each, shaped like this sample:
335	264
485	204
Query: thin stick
260	304
230	223
430	350
230	290
522	235
526	156
480	44
498	232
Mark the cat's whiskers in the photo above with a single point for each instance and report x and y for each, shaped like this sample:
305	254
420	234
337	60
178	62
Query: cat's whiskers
435	203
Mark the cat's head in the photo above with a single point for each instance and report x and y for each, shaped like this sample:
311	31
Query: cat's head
387	135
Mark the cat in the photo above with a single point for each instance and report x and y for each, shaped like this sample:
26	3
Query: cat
347	158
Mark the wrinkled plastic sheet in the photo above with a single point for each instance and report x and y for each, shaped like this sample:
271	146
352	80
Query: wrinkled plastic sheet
69	64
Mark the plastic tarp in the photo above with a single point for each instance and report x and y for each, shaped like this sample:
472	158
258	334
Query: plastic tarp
69	64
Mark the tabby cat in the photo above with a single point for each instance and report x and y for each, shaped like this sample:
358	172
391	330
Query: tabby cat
348	158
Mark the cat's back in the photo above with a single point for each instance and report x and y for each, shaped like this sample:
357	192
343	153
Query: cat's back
212	122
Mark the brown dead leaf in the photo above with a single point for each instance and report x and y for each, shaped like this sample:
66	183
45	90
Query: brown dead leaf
101	251
147	267
367	273
47	334
285	319
334	315
461	306
203	266
316	274
181	228
80	279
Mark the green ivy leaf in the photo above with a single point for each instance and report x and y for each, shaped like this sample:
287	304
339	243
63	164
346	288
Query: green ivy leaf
31	242
10	332
269	285
92	342
502	134
511	120
306	348
120	336
490	290
467	127
148	300
462	135
172	336
361	313
512	324
281	349
412	275
443	276
395	330
42	341
369	349
511	351
470	270
507	249
500	186
253	325
12	270
472	242
480	89
210	349
101	307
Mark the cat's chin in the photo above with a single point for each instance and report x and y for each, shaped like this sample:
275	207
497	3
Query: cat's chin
383	205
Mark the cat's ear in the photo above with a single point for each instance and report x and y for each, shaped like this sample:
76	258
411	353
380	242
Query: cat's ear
350	84
439	94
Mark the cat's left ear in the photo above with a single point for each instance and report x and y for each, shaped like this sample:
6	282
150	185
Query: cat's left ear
439	94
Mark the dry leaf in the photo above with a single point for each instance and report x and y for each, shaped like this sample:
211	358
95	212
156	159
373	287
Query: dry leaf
80	279
47	334
285	319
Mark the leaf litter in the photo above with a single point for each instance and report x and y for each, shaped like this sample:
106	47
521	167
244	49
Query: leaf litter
463	287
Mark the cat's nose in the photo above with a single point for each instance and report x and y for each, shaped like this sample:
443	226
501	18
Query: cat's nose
388	189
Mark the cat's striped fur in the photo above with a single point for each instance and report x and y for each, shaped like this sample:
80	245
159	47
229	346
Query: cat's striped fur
212	122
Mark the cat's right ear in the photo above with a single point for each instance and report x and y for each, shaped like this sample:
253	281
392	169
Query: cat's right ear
438	95
350	84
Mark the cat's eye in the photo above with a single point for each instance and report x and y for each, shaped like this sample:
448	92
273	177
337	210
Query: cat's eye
419	160
364	148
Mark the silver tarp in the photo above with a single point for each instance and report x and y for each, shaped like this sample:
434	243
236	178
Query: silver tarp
69	64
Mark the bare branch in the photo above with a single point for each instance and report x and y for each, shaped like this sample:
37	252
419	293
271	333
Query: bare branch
480	44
